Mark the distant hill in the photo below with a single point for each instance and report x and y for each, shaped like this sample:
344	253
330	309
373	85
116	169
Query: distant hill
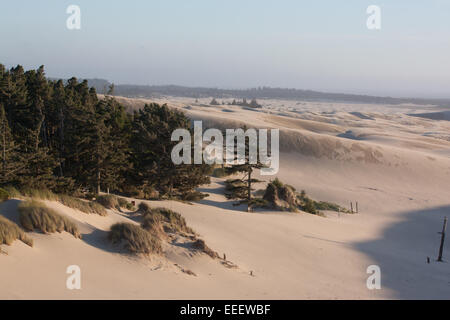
127	90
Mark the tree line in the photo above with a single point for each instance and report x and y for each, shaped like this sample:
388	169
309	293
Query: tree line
59	136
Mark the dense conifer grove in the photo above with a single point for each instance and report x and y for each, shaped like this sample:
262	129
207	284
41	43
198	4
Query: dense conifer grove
59	136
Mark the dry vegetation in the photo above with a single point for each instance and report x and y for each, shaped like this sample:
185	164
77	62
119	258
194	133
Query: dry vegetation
134	238
35	215
109	201
171	221
9	232
89	207
166	224
83	206
4	195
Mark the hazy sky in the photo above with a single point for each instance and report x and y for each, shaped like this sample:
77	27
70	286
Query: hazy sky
318	45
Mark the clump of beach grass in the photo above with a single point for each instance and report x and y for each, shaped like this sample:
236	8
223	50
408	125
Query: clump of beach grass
109	201
200	244
172	221
68	201
35	215
134	238
9	232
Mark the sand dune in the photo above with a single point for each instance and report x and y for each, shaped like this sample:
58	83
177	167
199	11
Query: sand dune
379	156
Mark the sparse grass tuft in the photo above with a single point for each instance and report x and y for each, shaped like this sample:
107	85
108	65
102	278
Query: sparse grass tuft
123	203
201	245
109	201
13	192
135	239
9	232
35	215
4	195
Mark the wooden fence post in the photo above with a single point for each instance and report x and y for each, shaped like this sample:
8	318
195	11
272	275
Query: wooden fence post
441	247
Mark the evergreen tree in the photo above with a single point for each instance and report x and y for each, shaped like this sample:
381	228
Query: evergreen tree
241	188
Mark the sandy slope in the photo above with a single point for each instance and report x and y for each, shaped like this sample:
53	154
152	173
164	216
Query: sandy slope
396	166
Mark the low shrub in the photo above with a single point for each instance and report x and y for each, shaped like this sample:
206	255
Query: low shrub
35	215
9	232
134	238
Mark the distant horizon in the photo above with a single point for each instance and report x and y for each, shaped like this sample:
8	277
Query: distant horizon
262	86
323	46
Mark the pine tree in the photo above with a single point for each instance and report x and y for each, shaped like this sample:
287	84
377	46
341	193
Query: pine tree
241	188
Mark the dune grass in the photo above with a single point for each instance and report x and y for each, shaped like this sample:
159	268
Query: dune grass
154	225
68	201
134	238
171	220
109	201
35	215
9	232
4	195
83	206
200	244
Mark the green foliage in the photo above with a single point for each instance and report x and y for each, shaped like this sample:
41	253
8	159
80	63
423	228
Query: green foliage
9	232
35	215
59	136
151	153
134	239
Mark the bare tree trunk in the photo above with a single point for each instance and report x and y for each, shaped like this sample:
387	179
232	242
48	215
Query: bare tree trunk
441	247
4	146
98	181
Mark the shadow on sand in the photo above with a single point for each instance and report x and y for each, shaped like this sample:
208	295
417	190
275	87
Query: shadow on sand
401	253
225	204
